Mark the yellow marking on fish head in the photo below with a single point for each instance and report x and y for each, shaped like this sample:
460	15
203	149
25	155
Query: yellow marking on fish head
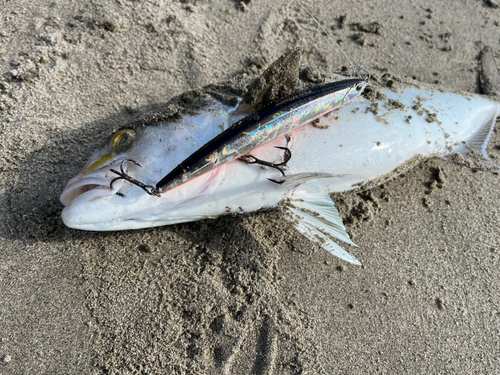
115	146
97	164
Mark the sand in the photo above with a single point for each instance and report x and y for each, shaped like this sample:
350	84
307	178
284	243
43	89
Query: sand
238	294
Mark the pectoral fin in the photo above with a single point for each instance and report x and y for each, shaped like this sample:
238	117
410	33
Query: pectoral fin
317	218
299	178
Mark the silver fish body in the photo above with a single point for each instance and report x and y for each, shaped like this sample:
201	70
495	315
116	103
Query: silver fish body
344	150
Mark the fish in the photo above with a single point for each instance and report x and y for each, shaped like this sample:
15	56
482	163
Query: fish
357	145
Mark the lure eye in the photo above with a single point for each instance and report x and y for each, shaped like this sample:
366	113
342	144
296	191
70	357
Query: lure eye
123	140
359	87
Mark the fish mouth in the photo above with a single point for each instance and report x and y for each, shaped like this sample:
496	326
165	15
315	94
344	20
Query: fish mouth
92	205
94	186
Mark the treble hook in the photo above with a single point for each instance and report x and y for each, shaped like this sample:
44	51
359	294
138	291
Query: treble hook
288	155
150	189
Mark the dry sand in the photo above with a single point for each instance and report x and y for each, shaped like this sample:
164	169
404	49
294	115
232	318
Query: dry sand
238	294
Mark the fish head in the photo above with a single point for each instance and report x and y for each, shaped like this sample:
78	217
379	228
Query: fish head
98	198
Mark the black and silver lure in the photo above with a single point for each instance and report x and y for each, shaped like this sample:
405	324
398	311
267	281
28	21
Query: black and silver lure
262	127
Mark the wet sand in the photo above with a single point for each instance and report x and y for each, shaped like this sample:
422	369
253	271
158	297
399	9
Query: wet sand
238	294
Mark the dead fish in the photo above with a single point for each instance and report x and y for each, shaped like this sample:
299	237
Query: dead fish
362	142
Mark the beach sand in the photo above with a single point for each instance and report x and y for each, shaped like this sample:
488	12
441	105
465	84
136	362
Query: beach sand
237	294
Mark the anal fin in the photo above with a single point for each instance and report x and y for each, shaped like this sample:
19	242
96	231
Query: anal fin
317	218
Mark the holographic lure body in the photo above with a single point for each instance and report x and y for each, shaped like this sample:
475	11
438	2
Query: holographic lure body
261	127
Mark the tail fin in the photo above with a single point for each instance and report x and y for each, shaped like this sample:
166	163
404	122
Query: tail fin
480	140
475	147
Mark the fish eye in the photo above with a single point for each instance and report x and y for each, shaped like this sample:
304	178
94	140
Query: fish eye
123	140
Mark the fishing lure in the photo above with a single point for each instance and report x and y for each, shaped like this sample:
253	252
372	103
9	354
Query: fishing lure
259	128
256	130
